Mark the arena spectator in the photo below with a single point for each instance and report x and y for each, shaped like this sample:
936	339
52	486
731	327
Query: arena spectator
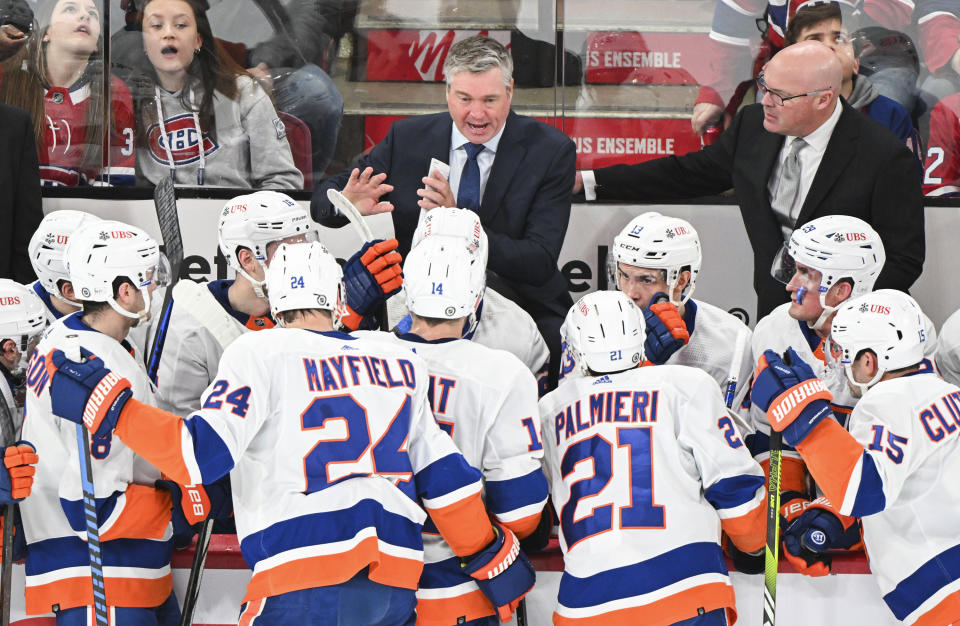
800	154
20	210
16	20
734	32
941	171
516	177
823	22
201	118
58	79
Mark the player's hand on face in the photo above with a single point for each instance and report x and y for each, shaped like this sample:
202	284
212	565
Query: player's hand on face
364	190
705	114
436	192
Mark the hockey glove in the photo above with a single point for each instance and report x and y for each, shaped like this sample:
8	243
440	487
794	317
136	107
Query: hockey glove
744	562
666	330
19	460
814	530
502	571
87	393
370	276
794	399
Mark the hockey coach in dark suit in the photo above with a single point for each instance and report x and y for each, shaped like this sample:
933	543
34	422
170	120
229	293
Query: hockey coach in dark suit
514	171
800	154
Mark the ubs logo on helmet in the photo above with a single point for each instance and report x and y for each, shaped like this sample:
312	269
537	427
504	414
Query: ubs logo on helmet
183	140
235	208
874	308
10	301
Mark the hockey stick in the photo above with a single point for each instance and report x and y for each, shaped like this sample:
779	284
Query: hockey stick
6	569
165	203
196	573
347	208
72	351
197	300
771	558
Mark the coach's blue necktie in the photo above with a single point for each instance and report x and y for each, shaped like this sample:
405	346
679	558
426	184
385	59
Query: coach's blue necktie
468	195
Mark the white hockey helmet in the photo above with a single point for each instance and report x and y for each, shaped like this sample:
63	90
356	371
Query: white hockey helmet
303	276
443	279
887	322
102	251
22	317
47	245
606	331
254	221
839	247
453	222
656	241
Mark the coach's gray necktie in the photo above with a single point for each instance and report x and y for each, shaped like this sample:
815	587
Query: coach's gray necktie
789	187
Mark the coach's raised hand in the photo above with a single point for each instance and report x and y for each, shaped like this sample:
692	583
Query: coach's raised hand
364	190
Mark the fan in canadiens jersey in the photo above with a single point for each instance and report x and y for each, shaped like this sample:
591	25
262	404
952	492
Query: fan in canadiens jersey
894	466
645	469
66	53
335	516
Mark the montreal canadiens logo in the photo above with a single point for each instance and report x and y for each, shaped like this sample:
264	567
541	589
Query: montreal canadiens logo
183	139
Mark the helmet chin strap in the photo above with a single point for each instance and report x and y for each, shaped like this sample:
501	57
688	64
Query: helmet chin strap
684	297
258	285
824	315
863	387
140	316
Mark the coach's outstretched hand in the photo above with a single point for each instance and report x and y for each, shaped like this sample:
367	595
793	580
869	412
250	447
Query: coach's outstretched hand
666	330
370	276
87	393
502	571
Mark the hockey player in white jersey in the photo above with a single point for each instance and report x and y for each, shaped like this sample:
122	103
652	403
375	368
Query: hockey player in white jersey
948	349
330	523
497	322
205	319
22	319
114	269
894	466
486	400
825	263
46	248
645	468
657	257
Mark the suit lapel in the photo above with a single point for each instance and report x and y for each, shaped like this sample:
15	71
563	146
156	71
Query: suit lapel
437	140
510	153
838	153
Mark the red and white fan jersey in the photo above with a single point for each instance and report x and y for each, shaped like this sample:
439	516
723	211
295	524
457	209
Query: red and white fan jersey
65	140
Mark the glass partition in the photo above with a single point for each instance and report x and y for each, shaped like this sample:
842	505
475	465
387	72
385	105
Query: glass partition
282	93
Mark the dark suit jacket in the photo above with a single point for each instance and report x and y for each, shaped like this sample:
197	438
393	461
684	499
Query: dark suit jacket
525	207
20	203
866	172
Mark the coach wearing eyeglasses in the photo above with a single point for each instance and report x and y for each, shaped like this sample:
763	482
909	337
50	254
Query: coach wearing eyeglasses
800	154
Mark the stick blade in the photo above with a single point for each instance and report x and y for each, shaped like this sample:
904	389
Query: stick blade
165	203
346	208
